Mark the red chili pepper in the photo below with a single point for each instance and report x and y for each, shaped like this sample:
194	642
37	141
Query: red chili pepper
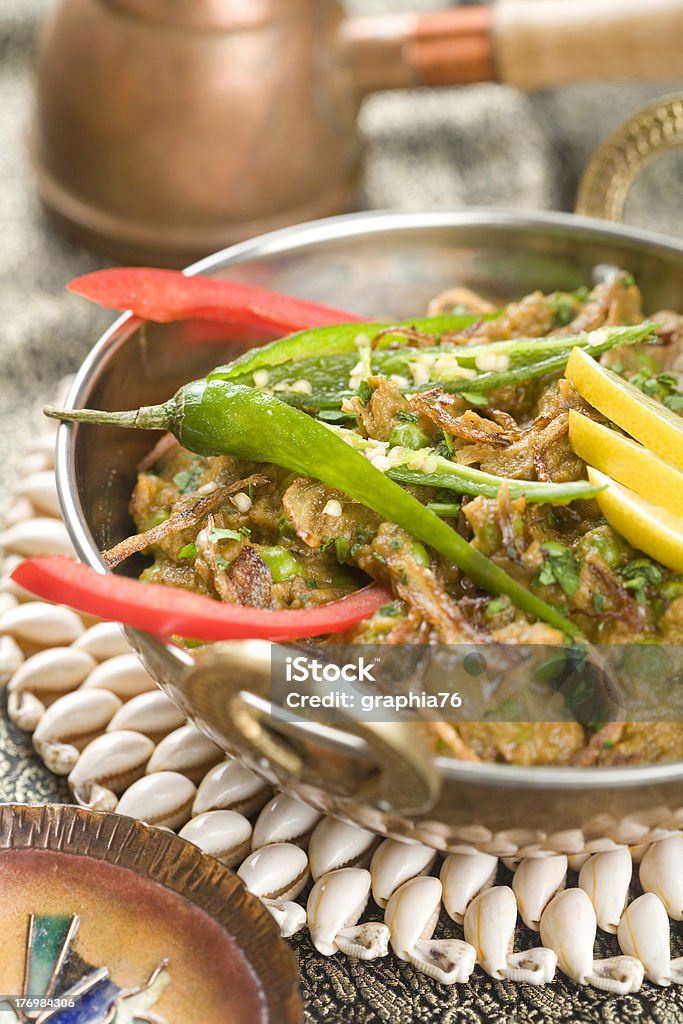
169	611
165	295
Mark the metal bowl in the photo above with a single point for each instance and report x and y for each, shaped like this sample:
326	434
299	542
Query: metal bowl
374	264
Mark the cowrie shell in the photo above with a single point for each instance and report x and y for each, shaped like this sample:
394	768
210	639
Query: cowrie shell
102	641
43	442
606	878
661	872
463	876
11	657
42	624
290	917
25	710
113	761
393	863
535	882
335	844
124	675
277	872
36	462
411	914
76	718
335	904
40	536
162	799
18	510
7	602
284	819
490	921
231	786
52	672
40	489
185	750
153	714
568	927
224	835
644	933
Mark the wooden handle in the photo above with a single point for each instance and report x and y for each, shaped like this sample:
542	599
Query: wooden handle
543	43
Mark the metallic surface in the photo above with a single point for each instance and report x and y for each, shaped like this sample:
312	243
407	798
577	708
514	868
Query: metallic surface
162	858
166	130
382	264
621	158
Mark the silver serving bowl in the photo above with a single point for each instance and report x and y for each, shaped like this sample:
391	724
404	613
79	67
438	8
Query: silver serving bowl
377	774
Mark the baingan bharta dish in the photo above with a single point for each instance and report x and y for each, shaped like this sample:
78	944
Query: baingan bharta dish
503	474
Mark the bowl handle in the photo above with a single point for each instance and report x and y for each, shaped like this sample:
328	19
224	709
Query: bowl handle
619	160
229	690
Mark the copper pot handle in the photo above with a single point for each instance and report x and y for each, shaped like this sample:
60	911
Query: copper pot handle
529	44
620	159
229	693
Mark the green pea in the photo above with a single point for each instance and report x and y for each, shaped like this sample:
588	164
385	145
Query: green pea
408	435
420	554
281	563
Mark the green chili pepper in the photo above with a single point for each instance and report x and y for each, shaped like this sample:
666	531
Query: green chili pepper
334	341
445	509
282	564
603	340
221	418
461	372
452	476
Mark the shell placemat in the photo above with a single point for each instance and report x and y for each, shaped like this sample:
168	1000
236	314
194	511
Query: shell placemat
98	719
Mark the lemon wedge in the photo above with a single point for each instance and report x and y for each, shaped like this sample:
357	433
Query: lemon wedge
642	417
627	462
648	527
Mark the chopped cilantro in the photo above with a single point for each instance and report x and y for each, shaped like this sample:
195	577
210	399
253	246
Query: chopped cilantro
364	392
406	417
661	386
222	563
221	533
640	574
495	606
560	566
562	307
189	551
187	479
598	602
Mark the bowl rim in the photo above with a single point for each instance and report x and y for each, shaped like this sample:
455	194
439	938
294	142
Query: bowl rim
344	226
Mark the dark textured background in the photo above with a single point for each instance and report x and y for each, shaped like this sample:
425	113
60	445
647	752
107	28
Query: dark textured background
486	145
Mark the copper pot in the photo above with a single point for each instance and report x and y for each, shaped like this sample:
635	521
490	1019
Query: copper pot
166	129
376	774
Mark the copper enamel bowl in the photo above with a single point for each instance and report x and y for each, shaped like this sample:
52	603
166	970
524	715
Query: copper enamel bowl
374	774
